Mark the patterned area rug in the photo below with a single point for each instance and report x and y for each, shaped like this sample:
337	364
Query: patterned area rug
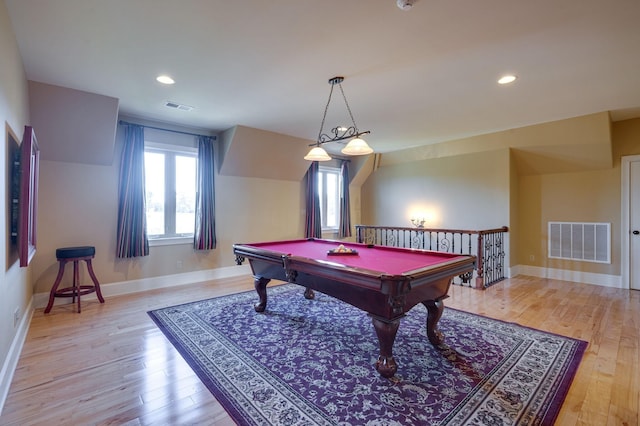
311	362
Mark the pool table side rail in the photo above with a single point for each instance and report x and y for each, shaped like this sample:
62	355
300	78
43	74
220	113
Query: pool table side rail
243	251
263	247
466	263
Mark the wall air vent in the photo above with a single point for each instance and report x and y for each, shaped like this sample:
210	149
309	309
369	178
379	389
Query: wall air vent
176	105
588	242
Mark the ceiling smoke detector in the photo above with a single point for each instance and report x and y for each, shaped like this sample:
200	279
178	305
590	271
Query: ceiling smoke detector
405	4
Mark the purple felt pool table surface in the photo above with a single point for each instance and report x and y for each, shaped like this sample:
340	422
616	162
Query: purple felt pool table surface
385	260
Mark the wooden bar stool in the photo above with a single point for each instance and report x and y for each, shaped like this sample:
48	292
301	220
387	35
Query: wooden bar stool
75	255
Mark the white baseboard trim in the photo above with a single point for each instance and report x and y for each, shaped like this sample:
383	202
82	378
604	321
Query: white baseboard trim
11	361
604	280
146	284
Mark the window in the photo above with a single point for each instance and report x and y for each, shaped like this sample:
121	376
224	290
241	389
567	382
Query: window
170	184
329	190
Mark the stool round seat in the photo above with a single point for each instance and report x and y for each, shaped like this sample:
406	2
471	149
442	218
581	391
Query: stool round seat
71	252
75	255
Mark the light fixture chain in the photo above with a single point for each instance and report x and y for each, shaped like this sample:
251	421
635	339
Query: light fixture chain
348	107
356	146
324	116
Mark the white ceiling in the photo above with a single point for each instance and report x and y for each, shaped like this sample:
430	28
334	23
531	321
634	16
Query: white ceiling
411	77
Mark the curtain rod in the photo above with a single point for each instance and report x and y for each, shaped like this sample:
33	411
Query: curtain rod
167	130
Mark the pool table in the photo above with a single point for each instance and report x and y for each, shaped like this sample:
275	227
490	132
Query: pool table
385	282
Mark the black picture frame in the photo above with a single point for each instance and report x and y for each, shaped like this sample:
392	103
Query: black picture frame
28	200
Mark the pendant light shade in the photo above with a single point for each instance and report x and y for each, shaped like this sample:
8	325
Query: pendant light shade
357	146
317	153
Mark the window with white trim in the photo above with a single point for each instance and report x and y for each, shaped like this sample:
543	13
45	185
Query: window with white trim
329	190
170	190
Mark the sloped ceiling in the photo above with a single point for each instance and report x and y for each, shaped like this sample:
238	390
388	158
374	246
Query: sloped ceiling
561	159
257	153
73	125
580	143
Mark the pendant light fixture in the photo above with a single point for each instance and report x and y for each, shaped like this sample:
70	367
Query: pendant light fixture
317	153
356	146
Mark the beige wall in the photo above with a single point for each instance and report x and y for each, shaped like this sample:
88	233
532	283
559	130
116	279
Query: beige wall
15	286
472	191
462	189
626	139
78	206
592	196
523	190
589	196
469	191
573	144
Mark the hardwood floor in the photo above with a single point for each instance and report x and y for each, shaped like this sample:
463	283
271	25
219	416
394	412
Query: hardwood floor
110	365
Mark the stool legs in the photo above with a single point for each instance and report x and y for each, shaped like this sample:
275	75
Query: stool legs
76	289
52	295
76	284
95	281
76	280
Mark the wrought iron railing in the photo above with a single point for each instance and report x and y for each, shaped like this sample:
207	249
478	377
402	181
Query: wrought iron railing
487	245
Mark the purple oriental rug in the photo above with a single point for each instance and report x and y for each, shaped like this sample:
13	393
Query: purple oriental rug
311	362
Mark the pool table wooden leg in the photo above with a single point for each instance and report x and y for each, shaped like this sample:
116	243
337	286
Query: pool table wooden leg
386	332
309	294
434	310
260	285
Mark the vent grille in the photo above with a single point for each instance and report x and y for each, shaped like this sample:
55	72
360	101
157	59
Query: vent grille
585	241
176	105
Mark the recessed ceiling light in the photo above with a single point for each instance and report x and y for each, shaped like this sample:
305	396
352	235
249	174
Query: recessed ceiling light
506	79
165	79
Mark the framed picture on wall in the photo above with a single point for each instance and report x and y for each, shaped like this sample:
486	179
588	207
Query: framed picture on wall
28	200
12	188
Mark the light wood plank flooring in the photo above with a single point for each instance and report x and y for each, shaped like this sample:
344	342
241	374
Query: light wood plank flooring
110	365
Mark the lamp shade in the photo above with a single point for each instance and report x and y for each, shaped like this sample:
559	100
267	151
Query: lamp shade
317	154
357	146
